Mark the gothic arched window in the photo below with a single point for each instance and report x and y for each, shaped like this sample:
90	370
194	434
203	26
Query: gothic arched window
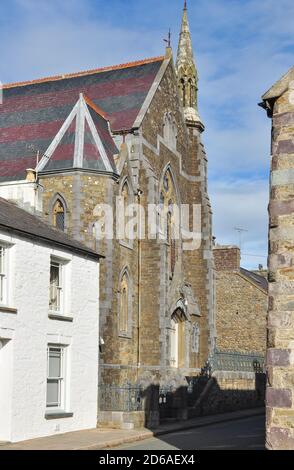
126	197
174	340
169	222
170	132
124	304
59	215
177	340
183	92
125	193
195	338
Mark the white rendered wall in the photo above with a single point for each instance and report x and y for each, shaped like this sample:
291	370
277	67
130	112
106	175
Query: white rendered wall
33	330
6	369
26	194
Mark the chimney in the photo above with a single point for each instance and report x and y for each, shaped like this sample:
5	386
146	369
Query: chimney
226	258
31	175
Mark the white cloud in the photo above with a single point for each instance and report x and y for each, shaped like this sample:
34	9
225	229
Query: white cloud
242	204
62	36
242	47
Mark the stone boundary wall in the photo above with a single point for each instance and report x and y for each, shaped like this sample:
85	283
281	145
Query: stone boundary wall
230	391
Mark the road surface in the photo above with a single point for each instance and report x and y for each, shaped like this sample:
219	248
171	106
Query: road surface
244	434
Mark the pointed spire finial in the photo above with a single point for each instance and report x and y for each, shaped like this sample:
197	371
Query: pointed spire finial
187	73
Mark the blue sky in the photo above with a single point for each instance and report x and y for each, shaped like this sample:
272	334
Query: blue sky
242	47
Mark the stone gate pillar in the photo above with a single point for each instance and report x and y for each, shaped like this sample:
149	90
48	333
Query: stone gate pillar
279	103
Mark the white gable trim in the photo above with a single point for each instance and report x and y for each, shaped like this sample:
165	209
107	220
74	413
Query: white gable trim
97	138
57	139
80	133
151	93
82	114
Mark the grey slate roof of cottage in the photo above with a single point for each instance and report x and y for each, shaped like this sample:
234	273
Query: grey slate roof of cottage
259	281
19	221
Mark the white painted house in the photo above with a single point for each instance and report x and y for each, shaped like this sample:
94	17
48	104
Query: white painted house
49	329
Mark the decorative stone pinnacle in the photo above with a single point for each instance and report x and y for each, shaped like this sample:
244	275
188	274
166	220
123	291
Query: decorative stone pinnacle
187	74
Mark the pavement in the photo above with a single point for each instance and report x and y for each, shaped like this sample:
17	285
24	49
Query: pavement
97	439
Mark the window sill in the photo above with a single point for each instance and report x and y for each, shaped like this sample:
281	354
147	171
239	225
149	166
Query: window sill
58	415
54	316
8	310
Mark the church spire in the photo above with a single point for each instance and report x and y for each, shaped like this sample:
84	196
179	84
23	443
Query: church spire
187	74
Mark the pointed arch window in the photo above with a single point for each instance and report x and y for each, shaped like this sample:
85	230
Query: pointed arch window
195	338
168	219
124	294
178	340
170	132
59	215
183	92
125	305
126	195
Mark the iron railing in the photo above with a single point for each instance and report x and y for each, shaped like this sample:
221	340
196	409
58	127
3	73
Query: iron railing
125	398
234	361
164	393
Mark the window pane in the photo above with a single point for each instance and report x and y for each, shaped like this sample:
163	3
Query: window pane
55	289
2	252
2	273
58	215
53	398
1	288
54	363
54	274
60	220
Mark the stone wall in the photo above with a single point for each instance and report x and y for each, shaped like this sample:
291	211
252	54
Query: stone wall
226	258
279	102
230	391
241	311
241	305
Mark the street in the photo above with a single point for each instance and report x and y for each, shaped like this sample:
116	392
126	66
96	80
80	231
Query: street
243	434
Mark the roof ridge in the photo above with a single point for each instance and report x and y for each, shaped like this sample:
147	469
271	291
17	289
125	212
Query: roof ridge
82	73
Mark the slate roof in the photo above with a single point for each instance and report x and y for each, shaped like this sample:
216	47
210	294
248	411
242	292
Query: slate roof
17	220
259	281
33	112
84	141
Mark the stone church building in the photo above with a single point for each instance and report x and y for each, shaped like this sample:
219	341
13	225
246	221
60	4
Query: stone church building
71	144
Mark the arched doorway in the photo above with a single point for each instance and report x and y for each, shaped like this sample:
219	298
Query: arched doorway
178	339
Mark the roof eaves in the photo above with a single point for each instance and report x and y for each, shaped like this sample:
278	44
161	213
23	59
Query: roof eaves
67	246
112	174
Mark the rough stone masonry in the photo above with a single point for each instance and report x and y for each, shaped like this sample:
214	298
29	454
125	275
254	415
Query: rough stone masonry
279	103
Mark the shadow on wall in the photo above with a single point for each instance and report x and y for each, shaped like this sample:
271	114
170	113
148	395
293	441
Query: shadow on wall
132	406
223	392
